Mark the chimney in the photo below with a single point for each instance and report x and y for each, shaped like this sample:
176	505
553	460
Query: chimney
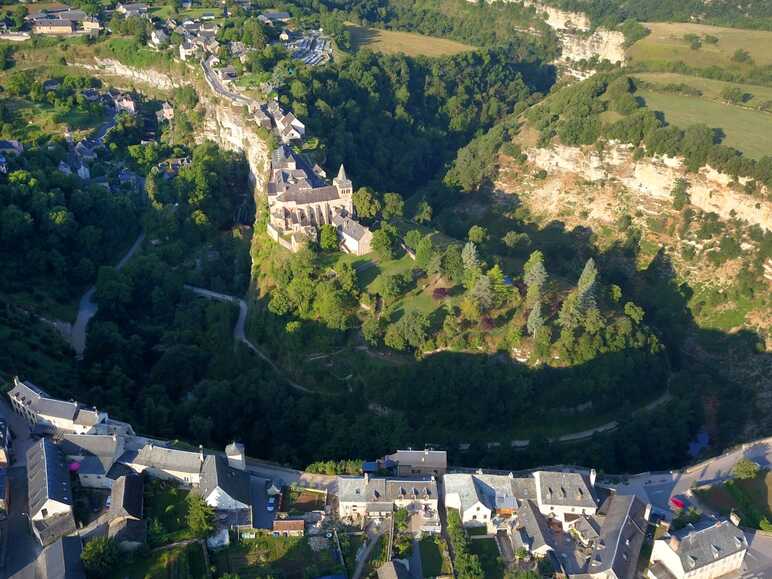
735	518
367	478
115	437
675	542
647	512
593	476
236	456
201	453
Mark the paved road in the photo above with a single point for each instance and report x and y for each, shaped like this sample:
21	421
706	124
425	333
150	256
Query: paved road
87	309
373	533
219	88
659	488
758	560
22	548
240	335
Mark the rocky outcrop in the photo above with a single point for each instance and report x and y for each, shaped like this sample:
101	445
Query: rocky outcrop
655	178
578	40
232	129
605	44
154	78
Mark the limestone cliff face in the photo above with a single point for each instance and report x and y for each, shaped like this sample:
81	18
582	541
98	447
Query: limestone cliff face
654	178
223	124
154	78
231	129
576	39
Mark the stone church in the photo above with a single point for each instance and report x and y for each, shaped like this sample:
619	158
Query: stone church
300	201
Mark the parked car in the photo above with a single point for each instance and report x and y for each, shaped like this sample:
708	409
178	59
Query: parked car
271	504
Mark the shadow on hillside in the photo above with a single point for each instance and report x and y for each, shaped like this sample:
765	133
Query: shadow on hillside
451	398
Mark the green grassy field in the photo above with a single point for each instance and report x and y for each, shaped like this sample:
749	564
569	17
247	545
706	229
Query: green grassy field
746	130
393	42
710	89
666	44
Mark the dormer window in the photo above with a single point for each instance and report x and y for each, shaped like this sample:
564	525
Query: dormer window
692	561
715	550
563	493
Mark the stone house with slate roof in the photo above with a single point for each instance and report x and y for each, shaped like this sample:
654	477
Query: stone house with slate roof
565	496
707	549
367	496
127	525
531	531
95	455
181	466
224	487
48	492
54	415
419	462
61	560
300	201
487	500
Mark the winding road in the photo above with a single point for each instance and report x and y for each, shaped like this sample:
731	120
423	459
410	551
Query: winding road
240	335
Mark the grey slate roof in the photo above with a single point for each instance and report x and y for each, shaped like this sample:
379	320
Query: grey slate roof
379	490
47	476
234	482
61	560
127	497
53	528
565	489
622	531
104	448
356	230
4	438
127	530
436	459
39	402
532	531
163	458
494	491
708	541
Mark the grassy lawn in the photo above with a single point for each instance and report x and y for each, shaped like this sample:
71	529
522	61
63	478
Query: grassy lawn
488	552
666	44
409	43
711	89
167	504
718	313
286	557
180	561
751	499
378	555
434	560
746	130
300	501
34	120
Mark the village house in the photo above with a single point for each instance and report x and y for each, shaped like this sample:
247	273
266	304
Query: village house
53	26
124	102
91	25
93	455
565	496
48	492
227	73
47	414
129	10
224	487
355	237
361	497
166	113
61	560
188	50
181	466
273	17
618	530
289	527
419	462
127	525
704	550
158	38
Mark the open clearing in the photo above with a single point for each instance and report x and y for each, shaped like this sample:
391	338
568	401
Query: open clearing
409	43
746	130
710	89
666	43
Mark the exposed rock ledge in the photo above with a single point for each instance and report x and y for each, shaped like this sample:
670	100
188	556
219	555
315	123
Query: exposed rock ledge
111	67
709	190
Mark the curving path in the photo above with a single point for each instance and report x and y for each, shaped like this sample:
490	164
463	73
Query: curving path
240	335
87	309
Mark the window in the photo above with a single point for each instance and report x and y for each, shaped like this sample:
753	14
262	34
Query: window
474	517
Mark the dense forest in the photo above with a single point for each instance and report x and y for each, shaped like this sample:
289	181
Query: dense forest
395	121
